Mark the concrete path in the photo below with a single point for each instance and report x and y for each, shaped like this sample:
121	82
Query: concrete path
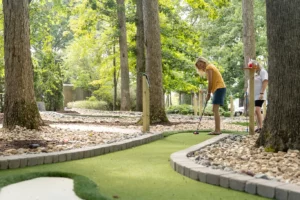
45	188
96	128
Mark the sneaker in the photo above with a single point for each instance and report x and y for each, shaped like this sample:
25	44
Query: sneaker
257	130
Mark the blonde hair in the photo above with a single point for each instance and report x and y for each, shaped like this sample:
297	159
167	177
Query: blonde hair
260	66
202	59
200	72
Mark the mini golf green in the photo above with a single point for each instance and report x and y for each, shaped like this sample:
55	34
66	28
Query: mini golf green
142	173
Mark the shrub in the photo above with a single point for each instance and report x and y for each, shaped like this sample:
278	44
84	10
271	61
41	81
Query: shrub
226	114
183	109
95	105
93	98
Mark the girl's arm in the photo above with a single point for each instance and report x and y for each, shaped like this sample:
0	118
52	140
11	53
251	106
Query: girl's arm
209	78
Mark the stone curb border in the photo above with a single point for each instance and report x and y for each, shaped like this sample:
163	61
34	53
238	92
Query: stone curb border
28	160
266	188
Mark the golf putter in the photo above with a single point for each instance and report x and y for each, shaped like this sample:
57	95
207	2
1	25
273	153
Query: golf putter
197	131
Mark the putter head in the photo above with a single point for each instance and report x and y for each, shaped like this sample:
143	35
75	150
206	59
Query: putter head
196	132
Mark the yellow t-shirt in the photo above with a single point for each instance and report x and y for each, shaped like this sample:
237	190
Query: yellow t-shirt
217	79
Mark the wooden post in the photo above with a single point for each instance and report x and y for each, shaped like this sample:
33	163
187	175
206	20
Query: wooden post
146	105
231	106
200	101
251	99
195	104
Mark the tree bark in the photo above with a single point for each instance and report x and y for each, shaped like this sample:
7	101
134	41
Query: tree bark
140	58
154	61
168	100
248	38
281	130
125	94
20	106
115	79
180	98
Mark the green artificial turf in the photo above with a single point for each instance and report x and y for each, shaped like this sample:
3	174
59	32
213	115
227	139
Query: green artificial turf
143	173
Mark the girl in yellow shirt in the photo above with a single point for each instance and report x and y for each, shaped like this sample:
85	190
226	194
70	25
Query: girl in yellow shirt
216	86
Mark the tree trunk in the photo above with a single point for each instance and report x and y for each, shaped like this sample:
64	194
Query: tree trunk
281	130
115	79
20	106
180	98
248	38
140	60
168	100
125	95
153	61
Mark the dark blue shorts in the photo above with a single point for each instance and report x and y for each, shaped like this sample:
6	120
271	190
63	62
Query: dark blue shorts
219	96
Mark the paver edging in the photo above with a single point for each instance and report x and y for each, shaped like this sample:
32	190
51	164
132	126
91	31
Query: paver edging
261	187
27	160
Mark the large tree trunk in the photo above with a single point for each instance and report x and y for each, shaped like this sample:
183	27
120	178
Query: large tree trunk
20	106
140	58
281	130
115	79
125	95
248	38
153	61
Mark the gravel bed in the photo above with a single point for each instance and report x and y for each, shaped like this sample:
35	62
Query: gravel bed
239	154
65	132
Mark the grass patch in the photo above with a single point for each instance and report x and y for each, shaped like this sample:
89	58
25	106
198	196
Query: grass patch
83	187
143	173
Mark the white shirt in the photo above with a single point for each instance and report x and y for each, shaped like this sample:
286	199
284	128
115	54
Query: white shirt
258	80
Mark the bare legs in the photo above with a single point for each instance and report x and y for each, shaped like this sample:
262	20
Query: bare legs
217	118
258	117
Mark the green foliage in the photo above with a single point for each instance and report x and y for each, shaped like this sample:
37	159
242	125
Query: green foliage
94	105
48	81
183	109
180	47
76	42
80	62
225	105
90	60
210	6
92	98
226	114
49	35
270	150
222	41
186	109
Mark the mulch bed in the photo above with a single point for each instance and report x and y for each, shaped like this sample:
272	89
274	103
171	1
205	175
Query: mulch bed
25	144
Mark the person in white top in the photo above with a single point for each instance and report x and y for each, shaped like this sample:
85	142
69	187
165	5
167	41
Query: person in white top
260	93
